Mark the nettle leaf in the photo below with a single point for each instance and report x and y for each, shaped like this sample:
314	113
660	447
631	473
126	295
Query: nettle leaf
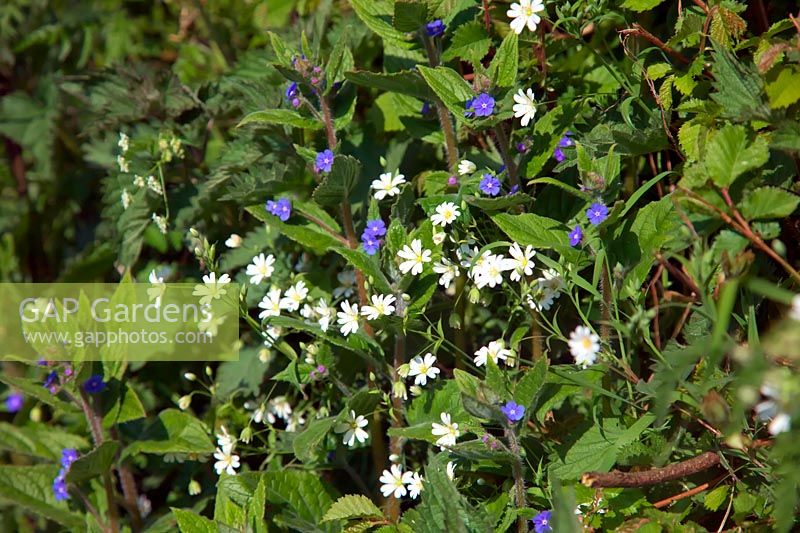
641	5
352	506
31	487
769	202
470	43
504	65
785	90
280	117
191	522
38	440
410	15
375	14
172	432
529	386
729	155
337	185
404	82
126	405
739	89
94	463
299	500
449	86
306	444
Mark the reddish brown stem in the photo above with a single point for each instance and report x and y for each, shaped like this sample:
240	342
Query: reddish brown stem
654	476
639	31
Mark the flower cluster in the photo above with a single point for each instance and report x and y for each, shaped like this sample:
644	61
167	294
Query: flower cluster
68	456
227	461
281	208
371	237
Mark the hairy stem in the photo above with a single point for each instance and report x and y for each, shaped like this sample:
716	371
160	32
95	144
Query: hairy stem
395	443
451	146
96	427
505	152
519	481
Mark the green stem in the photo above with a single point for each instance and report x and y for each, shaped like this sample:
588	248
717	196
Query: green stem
97	435
519	482
451	145
505	152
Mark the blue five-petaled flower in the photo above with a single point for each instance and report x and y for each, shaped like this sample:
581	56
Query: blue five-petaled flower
513	411
597	213
14	402
435	28
489	185
324	161
94	384
541	522
480	106
68	456
281	209
575	236
370	239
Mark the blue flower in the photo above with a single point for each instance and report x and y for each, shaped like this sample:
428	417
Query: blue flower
426	108
513	190
94	384
371	243
377	227
435	28
281	209
68	456
292	91
575	236
597	213
14	402
490	185
60	486
565	141
480	106
513	411
541	522
522	147
50	381
324	161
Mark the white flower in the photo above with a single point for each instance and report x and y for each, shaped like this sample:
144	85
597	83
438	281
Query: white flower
224	439
226	461
154	185
138	181
446	431
489	270
496	351
445	214
584	346
524	14
279	406
352	429
551	281
123	142
295	422
794	313
123	164
466	167
770	410
160	222
144	505
259	413
521	263
447	271
158	288
439	237
423	368
525	107
261	268
125	199
381	306
294	296
348	318
271	304
212	288
394	482
387	185
184	402
415	257
781	423
542	300
234	241
451	470
325	314
347	279
415	485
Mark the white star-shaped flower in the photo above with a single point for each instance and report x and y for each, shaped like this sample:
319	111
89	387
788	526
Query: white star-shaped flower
415	258
496	351
584	345
212	288
524	14
382	305
387	185
446	214
521	261
294	296
466	167
352	429
271	304
447	271
394	482
422	368
415	485
261	268
348	318
226	461
525	107
446	431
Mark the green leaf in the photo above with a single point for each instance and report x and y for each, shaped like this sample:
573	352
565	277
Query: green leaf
126	405
302	499
564	505
375	14
33	388
309	236
504	65
404	82
352	506
281	117
337	185
739	89
307	442
769	202
340	60
785	90
470	43
500	203
410	15
530	385
172	432
537	231
38	440
715	498
191	522
31	487
730	154
641	5
94	463
449	86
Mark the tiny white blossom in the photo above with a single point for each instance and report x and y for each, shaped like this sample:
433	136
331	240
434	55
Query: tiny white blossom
271	304
348	318
488	271
154	185
226	461
125	198
584	345
353	429
439	237
794	312
295	422
393	482
521	261
325	313
123	142
451	470
445	214
423	368
447	271
184	402
387	185
415	258
496	351
381	306
138	181
551	281
542	300
261	268
446	431
234	241
466	167
525	107
780	424
161	223
294	296
279	406
123	164
212	288
224	439
524	14
415	485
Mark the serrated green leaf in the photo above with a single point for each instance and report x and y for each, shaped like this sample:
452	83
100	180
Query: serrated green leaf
375	14
307	442
191	522
34	389
470	42
529	386
714	499
504	65
729	155
769	202
641	5
739	90
38	440
410	15
352	506
94	463
449	86
337	185
785	90
404	82
280	117
31	487
172	432
126	405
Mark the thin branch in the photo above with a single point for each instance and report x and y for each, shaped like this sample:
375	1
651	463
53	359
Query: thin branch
639	31
519	481
451	146
686	494
654	476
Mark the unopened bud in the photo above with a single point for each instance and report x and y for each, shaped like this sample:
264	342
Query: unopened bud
184	402
188	376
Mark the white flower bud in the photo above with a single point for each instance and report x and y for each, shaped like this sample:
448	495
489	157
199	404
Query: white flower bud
184	402
188	376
